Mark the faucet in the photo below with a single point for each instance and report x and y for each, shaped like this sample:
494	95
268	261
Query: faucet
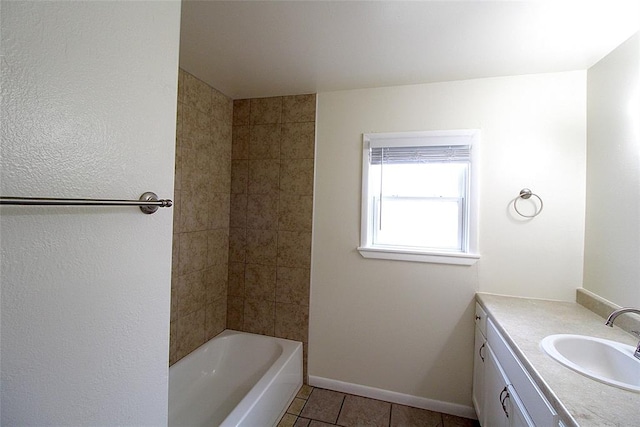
612	317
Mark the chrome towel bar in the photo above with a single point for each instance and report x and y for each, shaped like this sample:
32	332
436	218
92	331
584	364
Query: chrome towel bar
148	202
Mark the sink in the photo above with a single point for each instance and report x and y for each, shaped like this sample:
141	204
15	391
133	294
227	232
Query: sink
603	360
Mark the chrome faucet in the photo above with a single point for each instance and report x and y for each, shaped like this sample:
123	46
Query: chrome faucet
613	316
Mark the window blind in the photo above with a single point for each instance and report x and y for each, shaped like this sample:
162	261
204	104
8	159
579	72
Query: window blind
420	154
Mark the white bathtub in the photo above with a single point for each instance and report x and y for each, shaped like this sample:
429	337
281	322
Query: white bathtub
235	379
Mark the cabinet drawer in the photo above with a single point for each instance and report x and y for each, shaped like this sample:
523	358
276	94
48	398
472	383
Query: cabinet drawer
481	319
537	406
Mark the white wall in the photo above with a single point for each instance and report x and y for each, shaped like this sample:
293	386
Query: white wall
408	327
612	233
89	102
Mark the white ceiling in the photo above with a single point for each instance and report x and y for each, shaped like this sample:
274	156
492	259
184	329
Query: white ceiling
269	48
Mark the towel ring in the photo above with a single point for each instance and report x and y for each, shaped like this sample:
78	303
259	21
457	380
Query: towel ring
525	193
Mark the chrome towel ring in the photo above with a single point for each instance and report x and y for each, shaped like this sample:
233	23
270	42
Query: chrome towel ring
525	193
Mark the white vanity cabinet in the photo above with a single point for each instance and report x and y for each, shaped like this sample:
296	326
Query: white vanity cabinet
503	406
503	392
479	359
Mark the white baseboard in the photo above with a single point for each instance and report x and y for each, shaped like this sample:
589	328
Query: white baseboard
394	397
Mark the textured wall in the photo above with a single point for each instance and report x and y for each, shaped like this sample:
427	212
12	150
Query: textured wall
88	107
271	215
201	217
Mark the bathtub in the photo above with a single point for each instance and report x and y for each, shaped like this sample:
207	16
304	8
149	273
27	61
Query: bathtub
235	379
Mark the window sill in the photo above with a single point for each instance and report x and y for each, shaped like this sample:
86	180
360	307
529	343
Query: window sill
402	254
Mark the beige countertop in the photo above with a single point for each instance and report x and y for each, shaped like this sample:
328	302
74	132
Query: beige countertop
580	401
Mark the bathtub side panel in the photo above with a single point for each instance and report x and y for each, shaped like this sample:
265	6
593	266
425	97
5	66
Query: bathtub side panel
272	395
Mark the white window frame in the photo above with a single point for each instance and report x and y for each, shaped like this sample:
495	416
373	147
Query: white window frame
470	253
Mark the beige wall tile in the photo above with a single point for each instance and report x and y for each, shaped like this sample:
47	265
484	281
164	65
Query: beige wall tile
176	211
191	293
264	141
261	247
238	212
177	179
197	94
220	178
201	235
175	253
196	127
294	249
221	140
215	282
260	282
239	176
295	212
299	108
218	247
218	207
264	176
194	211
215	318
266	110
196	166
190	333
174	300
235	313
181	76
179	119
292	321
173	342
262	211
259	316
292	285
221	107
296	176
237	244
242	112
193	252
271	191
235	287
240	138
298	140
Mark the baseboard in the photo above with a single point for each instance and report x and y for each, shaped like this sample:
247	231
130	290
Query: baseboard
394	397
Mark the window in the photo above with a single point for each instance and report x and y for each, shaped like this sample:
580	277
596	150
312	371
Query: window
419	198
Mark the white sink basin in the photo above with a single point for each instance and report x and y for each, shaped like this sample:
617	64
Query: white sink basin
606	361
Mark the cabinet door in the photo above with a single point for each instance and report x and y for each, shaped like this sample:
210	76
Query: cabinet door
496	391
480	350
502	405
518	416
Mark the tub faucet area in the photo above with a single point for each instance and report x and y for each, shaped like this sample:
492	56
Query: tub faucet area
614	315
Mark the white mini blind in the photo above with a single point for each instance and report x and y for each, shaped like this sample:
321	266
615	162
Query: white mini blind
419	154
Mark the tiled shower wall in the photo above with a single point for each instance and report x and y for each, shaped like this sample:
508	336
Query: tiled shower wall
242	216
201	216
271	215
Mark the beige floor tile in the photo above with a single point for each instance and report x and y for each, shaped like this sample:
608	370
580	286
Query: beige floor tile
406	416
296	406
305	391
362	411
323	405
288	420
302	422
453	421
315	423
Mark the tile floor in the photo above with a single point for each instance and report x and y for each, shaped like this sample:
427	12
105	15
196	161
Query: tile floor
317	407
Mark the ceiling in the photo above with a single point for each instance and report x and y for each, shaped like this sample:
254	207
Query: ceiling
250	49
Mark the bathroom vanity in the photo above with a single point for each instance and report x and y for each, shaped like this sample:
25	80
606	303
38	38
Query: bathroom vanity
516	384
